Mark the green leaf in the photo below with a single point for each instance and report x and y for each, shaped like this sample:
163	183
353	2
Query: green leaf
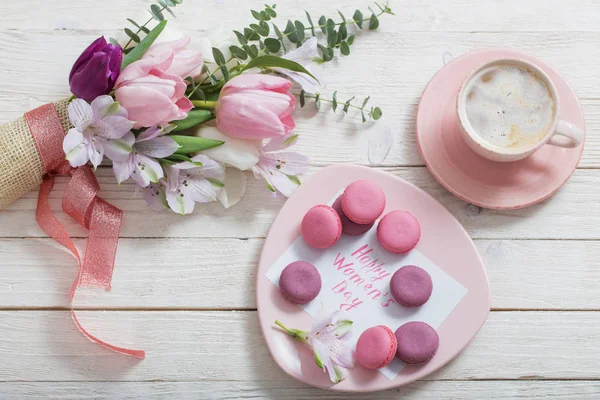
132	22
373	22
376	113
252	50
330	26
332	39
347	104
156	13
270	12
195	117
143	46
344	48
264	16
256	15
342	17
343	31
219	57
318	101
273	45
193	144
132	35
238	52
171	3
362	114
212	78
181	158
365	101
251	35
279	35
114	41
358	18
199	94
323	23
290	31
170	12
265	27
350	40
312	27
295	179
270	61
326	52
145	30
334	102
241	38
302	99
299	31
225	72
291	140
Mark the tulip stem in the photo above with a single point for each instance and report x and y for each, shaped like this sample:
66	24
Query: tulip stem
211	105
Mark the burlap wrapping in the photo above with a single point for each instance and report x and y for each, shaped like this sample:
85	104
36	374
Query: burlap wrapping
21	168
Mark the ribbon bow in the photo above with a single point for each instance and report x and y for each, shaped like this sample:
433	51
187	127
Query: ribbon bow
81	202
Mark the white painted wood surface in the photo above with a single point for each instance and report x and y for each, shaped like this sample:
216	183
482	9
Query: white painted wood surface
183	289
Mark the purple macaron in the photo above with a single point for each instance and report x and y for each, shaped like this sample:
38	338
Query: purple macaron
417	342
300	282
411	286
350	227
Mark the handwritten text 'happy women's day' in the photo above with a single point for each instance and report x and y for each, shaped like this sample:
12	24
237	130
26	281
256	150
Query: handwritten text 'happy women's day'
363	274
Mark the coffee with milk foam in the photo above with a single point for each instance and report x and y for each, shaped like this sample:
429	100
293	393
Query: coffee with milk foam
509	106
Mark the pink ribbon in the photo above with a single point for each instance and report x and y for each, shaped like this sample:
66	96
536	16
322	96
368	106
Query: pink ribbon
81	202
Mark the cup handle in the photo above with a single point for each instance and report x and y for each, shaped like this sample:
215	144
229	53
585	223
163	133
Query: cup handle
569	131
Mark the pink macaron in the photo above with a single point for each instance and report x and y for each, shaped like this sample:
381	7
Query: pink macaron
398	231
376	347
321	227
417	342
411	286
363	202
350	227
300	282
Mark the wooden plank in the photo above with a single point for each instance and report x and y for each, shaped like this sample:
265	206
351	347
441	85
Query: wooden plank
573	213
289	389
200	274
24	54
226	346
435	15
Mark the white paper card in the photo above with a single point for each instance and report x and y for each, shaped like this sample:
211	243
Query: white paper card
355	274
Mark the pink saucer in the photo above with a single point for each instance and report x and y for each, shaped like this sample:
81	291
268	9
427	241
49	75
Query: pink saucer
472	178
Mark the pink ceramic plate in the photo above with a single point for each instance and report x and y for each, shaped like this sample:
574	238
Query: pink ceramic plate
473	178
449	247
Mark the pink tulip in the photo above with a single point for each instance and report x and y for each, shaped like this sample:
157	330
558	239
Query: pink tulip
186	62
150	95
253	106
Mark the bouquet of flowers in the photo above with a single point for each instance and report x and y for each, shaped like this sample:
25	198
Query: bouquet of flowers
183	121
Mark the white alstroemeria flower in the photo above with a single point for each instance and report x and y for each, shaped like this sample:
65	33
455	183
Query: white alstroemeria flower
280	169
239	153
155	195
304	55
141	164
100	128
329	339
193	182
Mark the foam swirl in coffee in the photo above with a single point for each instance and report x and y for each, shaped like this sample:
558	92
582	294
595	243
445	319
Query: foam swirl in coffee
509	106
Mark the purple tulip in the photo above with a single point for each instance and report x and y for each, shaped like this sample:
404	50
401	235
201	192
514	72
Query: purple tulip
96	70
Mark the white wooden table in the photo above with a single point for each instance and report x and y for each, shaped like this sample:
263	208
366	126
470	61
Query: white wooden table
183	288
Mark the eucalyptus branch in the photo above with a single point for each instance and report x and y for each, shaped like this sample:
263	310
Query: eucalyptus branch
156	10
374	112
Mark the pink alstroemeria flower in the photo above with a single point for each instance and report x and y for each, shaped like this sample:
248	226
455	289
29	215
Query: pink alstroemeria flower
329	339
193	182
100	128
280	169
141	163
255	106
